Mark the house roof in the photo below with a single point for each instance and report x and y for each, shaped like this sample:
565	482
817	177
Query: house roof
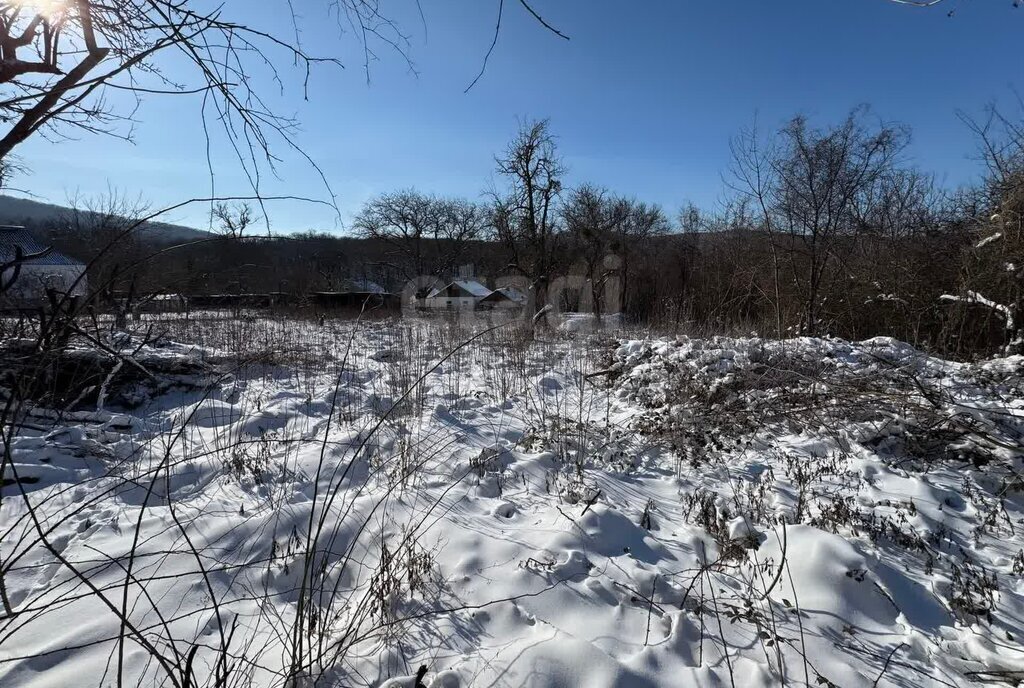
471	287
13	237
506	293
365	286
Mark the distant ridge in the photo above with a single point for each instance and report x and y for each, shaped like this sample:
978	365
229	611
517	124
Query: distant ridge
18	211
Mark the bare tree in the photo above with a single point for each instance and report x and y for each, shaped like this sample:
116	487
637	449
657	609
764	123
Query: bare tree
425	235
59	59
993	269
461	222
10	167
753	178
99	231
232	218
592	219
525	214
904	255
405	221
609	233
805	183
641	223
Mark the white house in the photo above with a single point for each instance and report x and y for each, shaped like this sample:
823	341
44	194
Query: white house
26	285
461	294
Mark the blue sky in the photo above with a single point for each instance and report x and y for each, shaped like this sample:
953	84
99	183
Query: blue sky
643	98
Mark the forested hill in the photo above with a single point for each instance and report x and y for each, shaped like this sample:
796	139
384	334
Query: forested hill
37	214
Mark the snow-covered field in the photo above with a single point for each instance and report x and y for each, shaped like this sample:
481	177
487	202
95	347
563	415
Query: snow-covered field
341	504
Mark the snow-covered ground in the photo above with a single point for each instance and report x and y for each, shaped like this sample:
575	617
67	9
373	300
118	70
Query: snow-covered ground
343	503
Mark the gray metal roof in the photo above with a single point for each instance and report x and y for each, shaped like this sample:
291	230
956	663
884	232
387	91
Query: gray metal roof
12	237
507	293
471	287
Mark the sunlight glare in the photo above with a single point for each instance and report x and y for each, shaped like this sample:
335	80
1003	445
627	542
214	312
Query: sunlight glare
48	9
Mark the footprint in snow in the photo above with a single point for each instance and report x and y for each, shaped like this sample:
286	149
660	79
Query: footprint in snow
505	510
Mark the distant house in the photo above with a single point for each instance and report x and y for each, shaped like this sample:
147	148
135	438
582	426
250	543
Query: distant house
504	298
357	294
46	269
162	303
462	294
